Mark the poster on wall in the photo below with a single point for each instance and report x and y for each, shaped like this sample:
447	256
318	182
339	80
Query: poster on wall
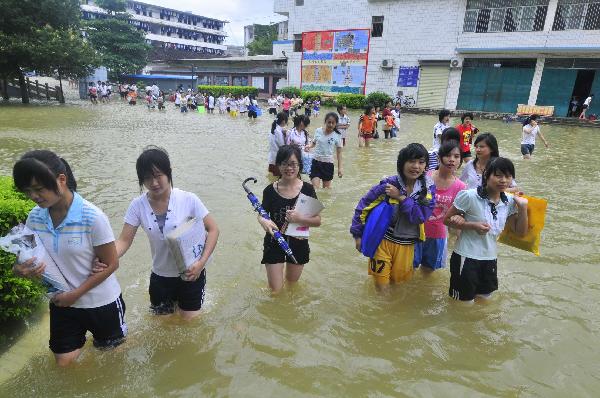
335	61
408	76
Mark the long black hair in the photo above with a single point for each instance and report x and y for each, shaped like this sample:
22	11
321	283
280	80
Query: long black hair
151	159
281	117
45	166
411	152
489	140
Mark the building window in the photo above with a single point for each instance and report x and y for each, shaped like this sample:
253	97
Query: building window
222	80
377	29
483	16
299	2
577	14
298	43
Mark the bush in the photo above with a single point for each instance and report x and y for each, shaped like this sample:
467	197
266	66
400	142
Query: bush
352	101
233	90
310	95
377	98
290	91
18	296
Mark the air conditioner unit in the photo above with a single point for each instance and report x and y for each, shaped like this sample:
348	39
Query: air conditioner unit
387	63
455	63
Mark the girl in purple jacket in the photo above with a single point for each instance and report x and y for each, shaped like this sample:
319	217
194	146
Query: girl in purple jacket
411	193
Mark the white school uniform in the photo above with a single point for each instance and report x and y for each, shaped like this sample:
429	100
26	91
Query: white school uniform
276	141
182	206
71	246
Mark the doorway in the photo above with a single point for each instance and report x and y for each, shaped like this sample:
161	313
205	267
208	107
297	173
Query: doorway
581	89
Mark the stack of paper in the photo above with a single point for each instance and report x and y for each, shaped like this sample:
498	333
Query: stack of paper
307	207
186	243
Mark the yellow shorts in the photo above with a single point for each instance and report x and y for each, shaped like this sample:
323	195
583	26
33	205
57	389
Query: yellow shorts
392	262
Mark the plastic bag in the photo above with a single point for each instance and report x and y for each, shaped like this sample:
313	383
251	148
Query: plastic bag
536	215
25	244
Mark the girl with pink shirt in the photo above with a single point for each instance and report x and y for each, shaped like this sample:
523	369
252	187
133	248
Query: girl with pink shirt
432	253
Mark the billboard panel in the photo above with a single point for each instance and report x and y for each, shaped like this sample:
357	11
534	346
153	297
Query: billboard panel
335	61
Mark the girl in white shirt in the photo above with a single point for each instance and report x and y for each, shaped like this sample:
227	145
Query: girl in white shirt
276	141
159	211
531	129
74	232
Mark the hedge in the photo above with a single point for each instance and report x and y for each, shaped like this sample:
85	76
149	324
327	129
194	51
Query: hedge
224	90
18	296
352	101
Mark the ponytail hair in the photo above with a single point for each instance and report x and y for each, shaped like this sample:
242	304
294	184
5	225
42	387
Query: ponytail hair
281	117
45	166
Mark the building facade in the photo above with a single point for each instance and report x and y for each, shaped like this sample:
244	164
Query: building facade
172	33
482	55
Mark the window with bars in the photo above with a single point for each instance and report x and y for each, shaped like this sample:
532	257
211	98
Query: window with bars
483	16
298	43
577	14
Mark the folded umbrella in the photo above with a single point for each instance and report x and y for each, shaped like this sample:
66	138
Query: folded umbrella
259	209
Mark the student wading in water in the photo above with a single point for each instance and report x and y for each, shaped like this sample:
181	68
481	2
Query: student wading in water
74	232
159	211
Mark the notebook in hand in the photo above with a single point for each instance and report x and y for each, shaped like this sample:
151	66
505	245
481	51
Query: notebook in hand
308	207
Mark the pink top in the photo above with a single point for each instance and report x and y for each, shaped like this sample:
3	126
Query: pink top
287	104
434	227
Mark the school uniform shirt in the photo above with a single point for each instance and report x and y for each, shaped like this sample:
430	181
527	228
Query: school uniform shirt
211	102
529	137
182	206
295	137
473	180
326	145
438	129
272	103
587	101
343	120
276	141
71	246
477	209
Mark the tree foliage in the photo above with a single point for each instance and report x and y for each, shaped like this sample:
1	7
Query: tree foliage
122	47
264	36
112	6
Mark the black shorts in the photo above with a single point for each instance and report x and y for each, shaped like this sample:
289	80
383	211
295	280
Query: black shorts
273	111
166	291
274	254
527	149
252	114
470	277
68	326
322	170
466	154
585	106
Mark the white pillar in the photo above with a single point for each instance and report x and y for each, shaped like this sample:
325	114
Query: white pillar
535	82
552	6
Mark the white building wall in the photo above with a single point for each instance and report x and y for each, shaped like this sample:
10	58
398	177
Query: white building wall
413	31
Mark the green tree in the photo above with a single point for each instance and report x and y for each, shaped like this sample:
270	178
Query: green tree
36	34
112	6
264	36
122	47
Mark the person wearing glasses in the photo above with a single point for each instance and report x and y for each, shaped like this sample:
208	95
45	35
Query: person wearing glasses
279	199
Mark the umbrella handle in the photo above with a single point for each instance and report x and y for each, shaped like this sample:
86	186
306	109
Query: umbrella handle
253	179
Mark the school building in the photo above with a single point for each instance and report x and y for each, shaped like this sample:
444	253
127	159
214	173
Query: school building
172	33
481	55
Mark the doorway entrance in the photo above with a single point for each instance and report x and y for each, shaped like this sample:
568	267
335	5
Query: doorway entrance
581	89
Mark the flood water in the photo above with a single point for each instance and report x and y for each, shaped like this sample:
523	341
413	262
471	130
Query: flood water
332	334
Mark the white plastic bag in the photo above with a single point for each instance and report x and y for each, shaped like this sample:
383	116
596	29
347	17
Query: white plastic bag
25	244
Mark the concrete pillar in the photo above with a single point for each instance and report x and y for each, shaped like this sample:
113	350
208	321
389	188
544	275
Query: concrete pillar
249	80
552	5
535	82
230	80
270	90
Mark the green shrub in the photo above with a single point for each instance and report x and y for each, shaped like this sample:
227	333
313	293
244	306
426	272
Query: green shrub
352	101
377	98
18	296
233	90
290	91
310	95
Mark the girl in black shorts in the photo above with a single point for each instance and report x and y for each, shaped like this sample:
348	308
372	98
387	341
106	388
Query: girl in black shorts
279	199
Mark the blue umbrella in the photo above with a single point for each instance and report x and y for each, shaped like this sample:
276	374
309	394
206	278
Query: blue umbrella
259	209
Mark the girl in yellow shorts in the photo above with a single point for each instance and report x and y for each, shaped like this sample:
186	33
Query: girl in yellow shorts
412	194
